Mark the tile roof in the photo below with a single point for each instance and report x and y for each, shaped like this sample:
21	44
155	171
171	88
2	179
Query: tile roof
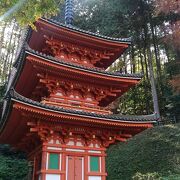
116	117
25	40
91	69
73	28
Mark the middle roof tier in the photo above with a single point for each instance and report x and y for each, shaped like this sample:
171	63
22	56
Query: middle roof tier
47	77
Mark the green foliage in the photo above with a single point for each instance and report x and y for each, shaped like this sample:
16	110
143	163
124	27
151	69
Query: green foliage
13	165
171	107
135	100
148	176
136	19
101	16
172	177
173	68
155	176
154	150
2	91
30	10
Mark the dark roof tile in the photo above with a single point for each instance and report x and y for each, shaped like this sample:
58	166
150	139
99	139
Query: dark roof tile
118	74
128	118
70	27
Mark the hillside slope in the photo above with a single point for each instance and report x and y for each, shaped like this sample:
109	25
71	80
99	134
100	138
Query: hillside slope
154	150
13	165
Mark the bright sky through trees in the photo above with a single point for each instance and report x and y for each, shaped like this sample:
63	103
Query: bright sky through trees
12	10
26	12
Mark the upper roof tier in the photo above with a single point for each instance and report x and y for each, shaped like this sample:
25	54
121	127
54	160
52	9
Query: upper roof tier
76	45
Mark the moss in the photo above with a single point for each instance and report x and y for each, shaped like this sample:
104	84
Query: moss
155	150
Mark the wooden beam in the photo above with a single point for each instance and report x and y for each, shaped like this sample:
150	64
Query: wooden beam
33	130
126	135
31	124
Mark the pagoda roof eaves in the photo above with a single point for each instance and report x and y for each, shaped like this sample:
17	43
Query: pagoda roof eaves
26	50
83	68
14	96
7	107
96	35
25	40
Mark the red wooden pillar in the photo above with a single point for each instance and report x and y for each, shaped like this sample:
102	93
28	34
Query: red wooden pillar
43	162
103	165
86	166
63	165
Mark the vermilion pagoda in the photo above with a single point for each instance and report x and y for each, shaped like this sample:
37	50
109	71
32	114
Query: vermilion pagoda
55	106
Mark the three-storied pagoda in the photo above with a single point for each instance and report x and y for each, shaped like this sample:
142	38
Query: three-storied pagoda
56	99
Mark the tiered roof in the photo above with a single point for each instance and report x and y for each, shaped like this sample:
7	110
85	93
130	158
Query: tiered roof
13	121
22	68
14	96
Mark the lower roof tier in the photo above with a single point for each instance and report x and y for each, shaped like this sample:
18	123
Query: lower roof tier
17	106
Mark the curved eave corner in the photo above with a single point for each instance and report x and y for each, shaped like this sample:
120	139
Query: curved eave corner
7	107
18	60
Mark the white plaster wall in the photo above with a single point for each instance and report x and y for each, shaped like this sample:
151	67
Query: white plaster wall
94	178
53	177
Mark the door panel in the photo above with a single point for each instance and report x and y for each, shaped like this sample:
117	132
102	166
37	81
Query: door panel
70	170
74	168
78	168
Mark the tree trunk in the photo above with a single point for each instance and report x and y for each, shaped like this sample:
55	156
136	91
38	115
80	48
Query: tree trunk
6	60
133	64
141	61
153	86
158	64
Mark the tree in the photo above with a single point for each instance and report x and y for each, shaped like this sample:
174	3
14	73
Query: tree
10	41
172	39
27	12
136	19
171	8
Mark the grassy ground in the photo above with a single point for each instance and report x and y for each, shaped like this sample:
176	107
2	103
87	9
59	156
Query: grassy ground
154	152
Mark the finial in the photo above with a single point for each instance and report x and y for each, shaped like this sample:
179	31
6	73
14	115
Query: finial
69	13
